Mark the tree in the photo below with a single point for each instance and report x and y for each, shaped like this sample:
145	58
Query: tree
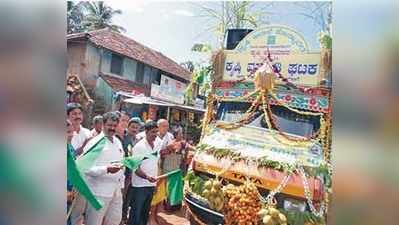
319	12
201	79
74	17
99	15
232	14
223	16
201	48
188	65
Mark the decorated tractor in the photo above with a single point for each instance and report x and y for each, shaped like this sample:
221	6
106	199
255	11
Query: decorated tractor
264	153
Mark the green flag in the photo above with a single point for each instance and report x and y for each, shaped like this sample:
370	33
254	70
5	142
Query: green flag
88	158
79	183
133	162
174	178
175	187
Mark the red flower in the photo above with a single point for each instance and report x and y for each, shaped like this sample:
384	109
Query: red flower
288	98
312	101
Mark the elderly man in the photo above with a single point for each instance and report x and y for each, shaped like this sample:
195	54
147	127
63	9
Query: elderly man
105	175
163	133
145	177
165	138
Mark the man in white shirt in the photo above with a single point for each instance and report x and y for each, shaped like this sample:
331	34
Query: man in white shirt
145	177
140	135
166	161
163	134
81	135
79	139
105	177
97	126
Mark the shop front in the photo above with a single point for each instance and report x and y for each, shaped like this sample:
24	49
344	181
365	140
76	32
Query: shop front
190	119
145	107
172	90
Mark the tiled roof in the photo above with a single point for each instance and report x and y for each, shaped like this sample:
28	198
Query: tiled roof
126	46
121	84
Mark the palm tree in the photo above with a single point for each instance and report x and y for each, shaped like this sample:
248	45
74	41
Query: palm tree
232	14
74	17
222	16
99	15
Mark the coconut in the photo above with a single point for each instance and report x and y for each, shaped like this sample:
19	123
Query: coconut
266	219
282	218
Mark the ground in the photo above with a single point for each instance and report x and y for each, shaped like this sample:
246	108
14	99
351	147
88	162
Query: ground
175	218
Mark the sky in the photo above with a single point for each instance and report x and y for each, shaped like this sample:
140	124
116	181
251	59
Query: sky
173	27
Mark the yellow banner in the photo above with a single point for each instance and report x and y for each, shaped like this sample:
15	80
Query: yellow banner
302	69
289	52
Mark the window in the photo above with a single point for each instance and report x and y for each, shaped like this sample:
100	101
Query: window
154	75
157	77
288	121
140	72
147	75
116	64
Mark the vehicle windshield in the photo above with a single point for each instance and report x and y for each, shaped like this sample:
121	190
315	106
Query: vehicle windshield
288	121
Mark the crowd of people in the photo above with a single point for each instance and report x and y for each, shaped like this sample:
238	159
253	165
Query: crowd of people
127	196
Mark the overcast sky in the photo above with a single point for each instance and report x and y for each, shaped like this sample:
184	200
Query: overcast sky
173	27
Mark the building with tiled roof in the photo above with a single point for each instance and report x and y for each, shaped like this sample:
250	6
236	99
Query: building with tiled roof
126	46
108	63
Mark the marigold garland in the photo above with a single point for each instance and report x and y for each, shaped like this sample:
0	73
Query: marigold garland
245	118
273	122
261	99
246	97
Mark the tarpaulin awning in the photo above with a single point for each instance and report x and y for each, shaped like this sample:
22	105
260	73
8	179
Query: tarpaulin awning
141	99
147	100
190	108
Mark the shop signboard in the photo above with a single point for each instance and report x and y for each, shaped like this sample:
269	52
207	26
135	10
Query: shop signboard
288	50
169	89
